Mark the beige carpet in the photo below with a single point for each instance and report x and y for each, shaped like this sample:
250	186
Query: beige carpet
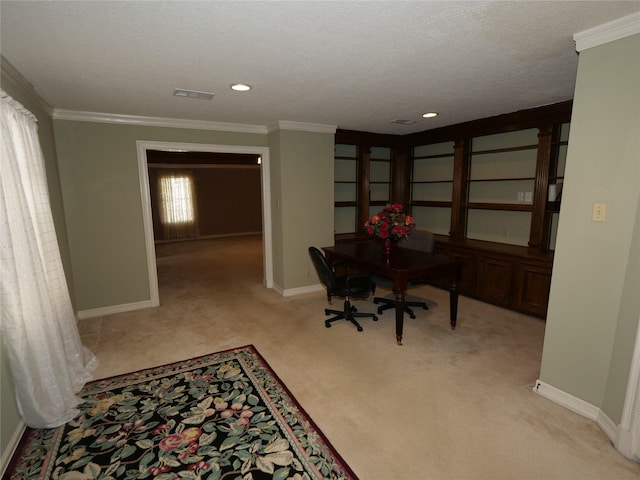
445	405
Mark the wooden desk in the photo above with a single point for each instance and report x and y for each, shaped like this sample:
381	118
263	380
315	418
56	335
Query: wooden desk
401	266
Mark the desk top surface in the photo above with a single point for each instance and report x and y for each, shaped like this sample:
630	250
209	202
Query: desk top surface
372	256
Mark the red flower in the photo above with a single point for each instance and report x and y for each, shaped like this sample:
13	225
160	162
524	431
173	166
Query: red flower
391	222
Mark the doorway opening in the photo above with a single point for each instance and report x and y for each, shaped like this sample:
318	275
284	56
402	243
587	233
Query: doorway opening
145	147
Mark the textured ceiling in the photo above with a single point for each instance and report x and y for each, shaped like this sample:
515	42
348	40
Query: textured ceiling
355	65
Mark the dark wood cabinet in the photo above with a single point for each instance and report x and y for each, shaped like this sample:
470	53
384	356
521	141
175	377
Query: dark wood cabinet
532	285
489	189
495	279
513	277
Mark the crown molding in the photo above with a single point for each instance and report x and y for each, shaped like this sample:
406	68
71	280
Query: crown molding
608	32
14	74
113	118
302	127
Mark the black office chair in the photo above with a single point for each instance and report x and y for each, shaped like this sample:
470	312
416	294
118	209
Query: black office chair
418	240
345	286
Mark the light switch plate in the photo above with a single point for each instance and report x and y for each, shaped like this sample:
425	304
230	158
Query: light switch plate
528	197
599	213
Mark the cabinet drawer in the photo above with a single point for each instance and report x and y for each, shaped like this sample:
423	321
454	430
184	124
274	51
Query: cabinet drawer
467	281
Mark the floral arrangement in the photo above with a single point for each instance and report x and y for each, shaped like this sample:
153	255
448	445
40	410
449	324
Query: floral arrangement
390	223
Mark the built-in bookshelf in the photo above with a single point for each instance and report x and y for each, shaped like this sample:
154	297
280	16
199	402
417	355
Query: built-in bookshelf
379	178
345	188
432	186
489	189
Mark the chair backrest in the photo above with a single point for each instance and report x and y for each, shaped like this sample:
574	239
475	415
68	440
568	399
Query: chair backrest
419	240
325	272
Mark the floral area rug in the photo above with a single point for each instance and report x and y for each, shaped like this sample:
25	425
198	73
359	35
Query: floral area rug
221	416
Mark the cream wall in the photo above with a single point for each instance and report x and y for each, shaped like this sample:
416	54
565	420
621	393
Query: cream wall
302	200
101	190
593	306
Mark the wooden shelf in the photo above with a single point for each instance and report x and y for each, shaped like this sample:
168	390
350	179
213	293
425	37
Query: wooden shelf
431	203
431	181
506	149
515	179
514	207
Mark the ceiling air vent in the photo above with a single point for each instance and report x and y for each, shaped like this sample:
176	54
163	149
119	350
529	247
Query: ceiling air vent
179	92
403	122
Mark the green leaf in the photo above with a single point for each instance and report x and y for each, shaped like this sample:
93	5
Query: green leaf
264	465
207	438
278	446
188	475
194	420
93	470
206	403
229	442
281	458
127	451
112	429
281	474
144	444
112	469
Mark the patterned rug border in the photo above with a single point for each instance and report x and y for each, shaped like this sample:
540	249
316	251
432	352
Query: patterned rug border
172	368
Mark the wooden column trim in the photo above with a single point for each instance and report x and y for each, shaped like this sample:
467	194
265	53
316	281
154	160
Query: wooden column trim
543	161
460	190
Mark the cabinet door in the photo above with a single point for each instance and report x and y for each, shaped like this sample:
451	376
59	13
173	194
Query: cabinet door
533	283
495	278
466	284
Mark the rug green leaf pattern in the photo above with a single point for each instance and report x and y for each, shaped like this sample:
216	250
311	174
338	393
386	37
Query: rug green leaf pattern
224	416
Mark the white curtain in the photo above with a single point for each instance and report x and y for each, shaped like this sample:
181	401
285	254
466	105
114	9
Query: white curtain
48	362
178	213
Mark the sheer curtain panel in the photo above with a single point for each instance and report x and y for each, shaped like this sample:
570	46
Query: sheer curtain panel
48	362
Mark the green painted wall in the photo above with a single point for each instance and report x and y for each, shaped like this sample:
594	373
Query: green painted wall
9	417
593	307
302	182
103	208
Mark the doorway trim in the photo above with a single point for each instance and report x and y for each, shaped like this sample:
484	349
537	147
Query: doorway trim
144	145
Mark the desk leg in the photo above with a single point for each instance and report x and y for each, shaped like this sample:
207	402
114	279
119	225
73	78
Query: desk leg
453	306
399	315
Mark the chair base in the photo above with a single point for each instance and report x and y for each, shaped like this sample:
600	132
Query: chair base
349	313
388	304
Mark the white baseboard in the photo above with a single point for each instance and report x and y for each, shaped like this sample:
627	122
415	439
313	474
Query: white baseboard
290	292
11	447
567	400
126	307
626	444
578	406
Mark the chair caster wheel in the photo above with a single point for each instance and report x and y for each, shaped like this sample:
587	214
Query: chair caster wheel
359	329
375	319
327	324
354	309
379	310
412	316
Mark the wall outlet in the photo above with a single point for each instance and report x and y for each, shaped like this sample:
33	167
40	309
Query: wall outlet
528	197
521	196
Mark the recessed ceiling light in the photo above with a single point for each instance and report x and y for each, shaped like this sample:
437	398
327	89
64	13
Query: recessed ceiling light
240	87
181	92
430	115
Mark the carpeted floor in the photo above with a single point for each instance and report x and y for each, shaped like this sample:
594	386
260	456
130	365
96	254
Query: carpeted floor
222	415
445	405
